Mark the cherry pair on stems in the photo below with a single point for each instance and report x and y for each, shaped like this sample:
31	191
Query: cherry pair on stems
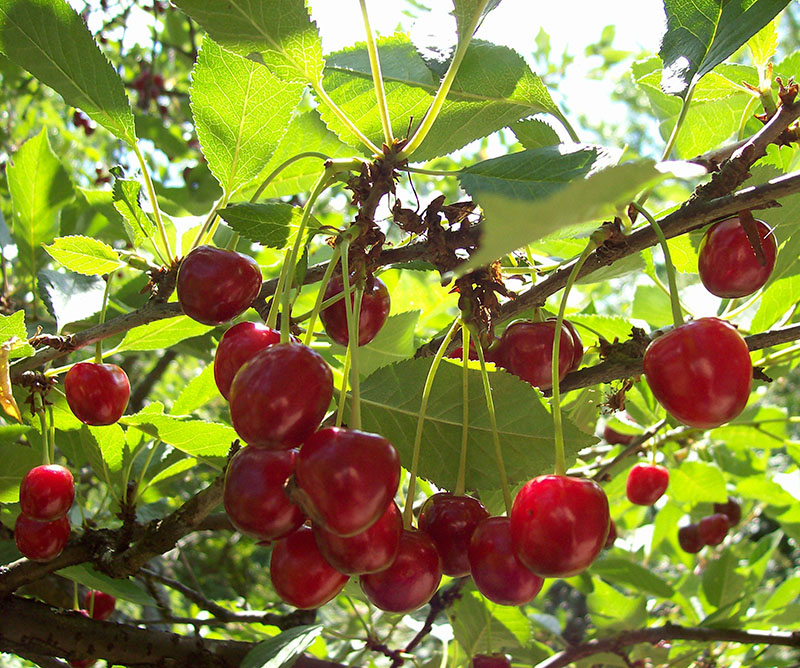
42	528
710	530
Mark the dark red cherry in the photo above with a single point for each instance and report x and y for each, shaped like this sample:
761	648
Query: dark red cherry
97	393
100	604
499	575
300	575
700	372
280	396
255	499
215	285
713	529
646	484
490	661
614	437
46	492
559	524
411	579
239	345
366	552
726	262
689	539
374	310
450	521
526	349
612	535
347	478
731	509
41	541
577	342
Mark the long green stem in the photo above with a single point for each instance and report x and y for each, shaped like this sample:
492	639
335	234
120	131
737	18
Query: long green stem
39	407
343	389
98	348
265	183
423	409
677	314
344	118
377	77
151	193
560	459
567	126
462	459
444	87
318	304
352	341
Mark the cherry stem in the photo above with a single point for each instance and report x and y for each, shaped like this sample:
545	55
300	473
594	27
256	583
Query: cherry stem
75	603
318	304
352	309
558	427
151	193
281	167
377	78
462	460
272	316
677	313
423	409
51	432
498	450
39	407
343	389
98	348
233	242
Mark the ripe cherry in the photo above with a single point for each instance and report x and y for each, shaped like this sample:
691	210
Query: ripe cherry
215	285
713	529
347	478
726	262
46	492
411	579
646	484
366	552
700	372
239	345
300	574
450	521
612	535
499	575
577	350
689	539
526	349
490	661
375	305
731	509
97	393
559	524
41	541
101	604
280	396
254	496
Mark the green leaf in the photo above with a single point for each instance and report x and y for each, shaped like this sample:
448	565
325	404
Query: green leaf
702	33
764	43
52	42
84	255
283	649
127	590
478	630
494	87
466	12
535	133
70	297
198	391
138	224
271	224
279	31
162	334
17	461
612	609
241	111
39	187
637	577
110	441
13	326
695	482
722	581
390	400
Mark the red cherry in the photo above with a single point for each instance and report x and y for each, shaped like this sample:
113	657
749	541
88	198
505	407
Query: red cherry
499	575
216	285
450	522
713	529
366	552
527	351
577	350
254	496
41	541
613	437
731	509
374	310
490	661
689	539
700	372
348	478
646	484
726	262
300	574
280	396
46	492
412	578
97	393
101	604
559	524
239	345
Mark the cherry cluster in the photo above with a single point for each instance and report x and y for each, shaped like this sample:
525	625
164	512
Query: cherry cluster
42	527
710	530
96	605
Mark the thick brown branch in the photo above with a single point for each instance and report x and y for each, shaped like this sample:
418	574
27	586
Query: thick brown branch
668	632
